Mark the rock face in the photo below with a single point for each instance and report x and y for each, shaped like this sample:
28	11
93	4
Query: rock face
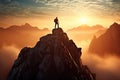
108	43
54	57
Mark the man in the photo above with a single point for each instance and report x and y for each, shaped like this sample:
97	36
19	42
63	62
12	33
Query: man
56	22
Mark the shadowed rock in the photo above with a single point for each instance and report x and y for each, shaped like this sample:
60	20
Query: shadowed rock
108	43
54	57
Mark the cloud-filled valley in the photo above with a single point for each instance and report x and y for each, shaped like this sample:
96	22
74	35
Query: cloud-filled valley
106	68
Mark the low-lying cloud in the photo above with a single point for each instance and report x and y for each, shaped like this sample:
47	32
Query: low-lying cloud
8	54
105	68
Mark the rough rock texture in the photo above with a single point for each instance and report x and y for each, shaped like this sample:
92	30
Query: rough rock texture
54	57
107	43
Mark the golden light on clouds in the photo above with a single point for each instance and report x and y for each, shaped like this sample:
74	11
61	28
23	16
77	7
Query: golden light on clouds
73	12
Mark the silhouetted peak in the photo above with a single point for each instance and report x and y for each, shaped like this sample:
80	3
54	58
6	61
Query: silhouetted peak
27	25
115	23
57	31
57	35
107	43
17	27
115	26
54	57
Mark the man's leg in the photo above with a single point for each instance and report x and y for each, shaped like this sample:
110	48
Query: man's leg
55	25
58	25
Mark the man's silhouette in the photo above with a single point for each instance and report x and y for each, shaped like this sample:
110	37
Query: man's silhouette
56	22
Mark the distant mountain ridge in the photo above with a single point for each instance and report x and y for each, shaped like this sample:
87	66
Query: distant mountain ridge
85	32
86	28
15	34
26	26
107	43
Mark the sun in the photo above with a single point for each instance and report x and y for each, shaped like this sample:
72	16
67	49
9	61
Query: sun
84	20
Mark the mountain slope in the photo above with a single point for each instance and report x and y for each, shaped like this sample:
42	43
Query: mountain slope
108	43
54	57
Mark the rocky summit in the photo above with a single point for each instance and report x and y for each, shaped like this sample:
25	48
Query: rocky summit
54	57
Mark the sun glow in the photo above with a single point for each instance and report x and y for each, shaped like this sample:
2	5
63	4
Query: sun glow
84	20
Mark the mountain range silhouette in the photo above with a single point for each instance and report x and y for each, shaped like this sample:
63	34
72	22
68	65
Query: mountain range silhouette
20	36
87	28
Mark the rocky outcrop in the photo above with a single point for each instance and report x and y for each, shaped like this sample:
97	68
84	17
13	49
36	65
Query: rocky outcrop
107	43
54	57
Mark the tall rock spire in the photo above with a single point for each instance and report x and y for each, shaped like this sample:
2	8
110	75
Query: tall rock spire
54	57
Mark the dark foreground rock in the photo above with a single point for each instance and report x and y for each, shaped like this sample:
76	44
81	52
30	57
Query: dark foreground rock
54	57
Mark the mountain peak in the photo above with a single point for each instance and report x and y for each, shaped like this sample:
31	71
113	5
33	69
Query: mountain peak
54	57
107	43
27	25
57	31
114	25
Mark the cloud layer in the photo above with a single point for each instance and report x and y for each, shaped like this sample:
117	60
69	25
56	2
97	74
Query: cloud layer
7	56
105	68
28	8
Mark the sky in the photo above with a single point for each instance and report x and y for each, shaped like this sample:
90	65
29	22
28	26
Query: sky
71	13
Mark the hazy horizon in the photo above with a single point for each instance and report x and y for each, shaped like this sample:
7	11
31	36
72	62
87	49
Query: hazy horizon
52	27
70	12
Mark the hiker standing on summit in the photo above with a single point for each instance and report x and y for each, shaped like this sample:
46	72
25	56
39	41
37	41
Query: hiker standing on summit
56	22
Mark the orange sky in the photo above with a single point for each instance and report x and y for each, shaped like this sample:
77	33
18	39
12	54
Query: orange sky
70	12
66	22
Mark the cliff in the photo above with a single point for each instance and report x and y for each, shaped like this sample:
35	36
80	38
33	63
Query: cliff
54	57
107	43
